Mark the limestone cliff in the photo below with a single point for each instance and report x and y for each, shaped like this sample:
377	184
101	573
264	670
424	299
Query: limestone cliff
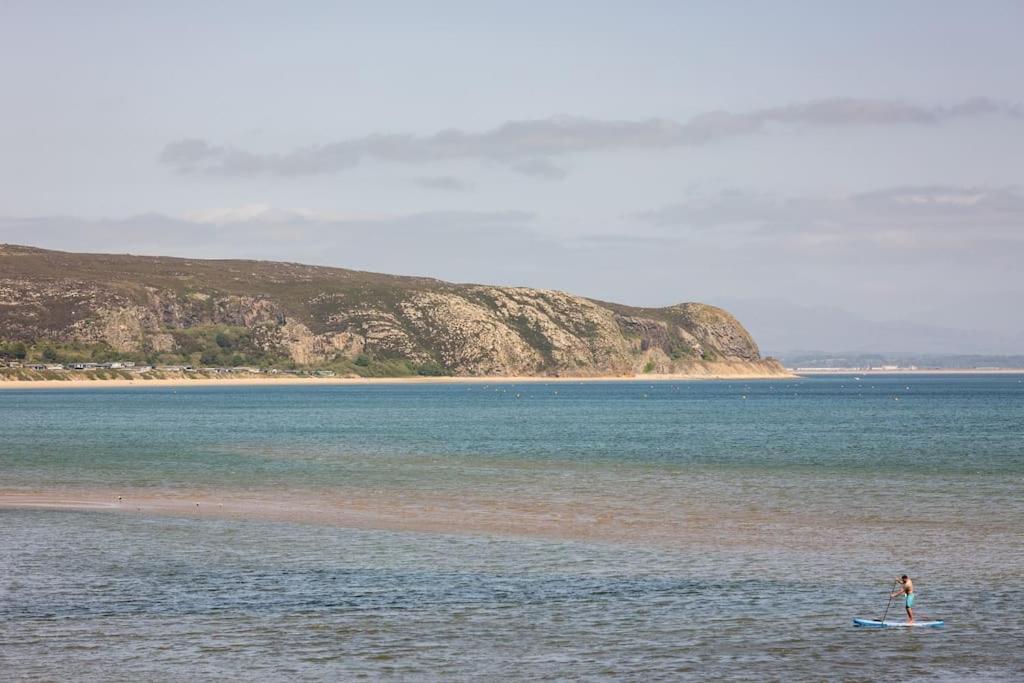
314	315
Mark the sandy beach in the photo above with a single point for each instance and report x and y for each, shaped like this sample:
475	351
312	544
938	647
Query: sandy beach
80	382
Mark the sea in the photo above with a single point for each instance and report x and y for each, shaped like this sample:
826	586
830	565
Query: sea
710	530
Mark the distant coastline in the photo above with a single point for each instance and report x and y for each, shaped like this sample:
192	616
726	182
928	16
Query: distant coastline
205	380
809	372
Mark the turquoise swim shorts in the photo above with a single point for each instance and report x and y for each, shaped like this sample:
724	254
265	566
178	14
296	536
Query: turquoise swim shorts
910	600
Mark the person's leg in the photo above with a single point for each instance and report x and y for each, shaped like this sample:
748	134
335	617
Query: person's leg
910	615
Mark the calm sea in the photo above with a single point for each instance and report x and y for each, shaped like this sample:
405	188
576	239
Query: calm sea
641	531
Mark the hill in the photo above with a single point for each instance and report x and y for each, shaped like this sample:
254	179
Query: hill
61	306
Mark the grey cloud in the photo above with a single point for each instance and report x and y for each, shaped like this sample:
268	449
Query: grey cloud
455	245
526	146
443	182
189	151
231	231
970	212
540	168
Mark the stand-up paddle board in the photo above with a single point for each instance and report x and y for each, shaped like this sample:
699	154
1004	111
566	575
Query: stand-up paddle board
874	623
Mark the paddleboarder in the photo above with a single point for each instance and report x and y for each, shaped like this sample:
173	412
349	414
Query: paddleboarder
906	589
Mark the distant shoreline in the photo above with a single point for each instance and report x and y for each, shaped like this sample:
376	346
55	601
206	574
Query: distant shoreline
819	372
205	381
175	382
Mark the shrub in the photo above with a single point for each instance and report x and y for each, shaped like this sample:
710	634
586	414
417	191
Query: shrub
431	369
649	366
362	360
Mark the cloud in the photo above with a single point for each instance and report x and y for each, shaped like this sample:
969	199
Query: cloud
527	146
260	213
912	212
244	228
443	182
540	168
454	244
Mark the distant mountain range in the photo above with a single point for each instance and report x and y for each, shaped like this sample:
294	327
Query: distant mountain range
65	306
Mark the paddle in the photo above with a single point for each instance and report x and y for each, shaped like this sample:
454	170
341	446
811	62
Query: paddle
891	591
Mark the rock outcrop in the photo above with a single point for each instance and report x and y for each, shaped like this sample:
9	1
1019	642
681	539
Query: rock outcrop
314	315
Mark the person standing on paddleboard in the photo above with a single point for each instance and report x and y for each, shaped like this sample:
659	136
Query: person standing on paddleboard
907	591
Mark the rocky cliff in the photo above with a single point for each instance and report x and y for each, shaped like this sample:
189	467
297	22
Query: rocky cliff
310	315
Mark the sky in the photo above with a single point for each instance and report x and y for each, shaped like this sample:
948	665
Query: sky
841	176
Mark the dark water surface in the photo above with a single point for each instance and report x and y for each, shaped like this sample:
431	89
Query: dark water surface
760	518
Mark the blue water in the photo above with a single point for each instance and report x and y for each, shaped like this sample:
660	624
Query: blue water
622	530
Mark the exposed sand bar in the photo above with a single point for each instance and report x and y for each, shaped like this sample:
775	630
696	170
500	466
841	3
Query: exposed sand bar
627	520
263	380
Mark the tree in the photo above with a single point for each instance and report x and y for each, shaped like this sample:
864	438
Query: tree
18	350
223	340
49	354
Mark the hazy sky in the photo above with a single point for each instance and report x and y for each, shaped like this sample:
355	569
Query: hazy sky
811	159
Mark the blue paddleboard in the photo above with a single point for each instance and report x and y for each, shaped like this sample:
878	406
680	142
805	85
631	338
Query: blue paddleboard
874	623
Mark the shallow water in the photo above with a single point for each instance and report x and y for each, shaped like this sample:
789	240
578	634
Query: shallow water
631	530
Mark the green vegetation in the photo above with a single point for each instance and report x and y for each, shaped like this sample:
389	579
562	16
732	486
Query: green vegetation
13	350
221	346
200	347
431	369
680	350
66	352
534	337
649	366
